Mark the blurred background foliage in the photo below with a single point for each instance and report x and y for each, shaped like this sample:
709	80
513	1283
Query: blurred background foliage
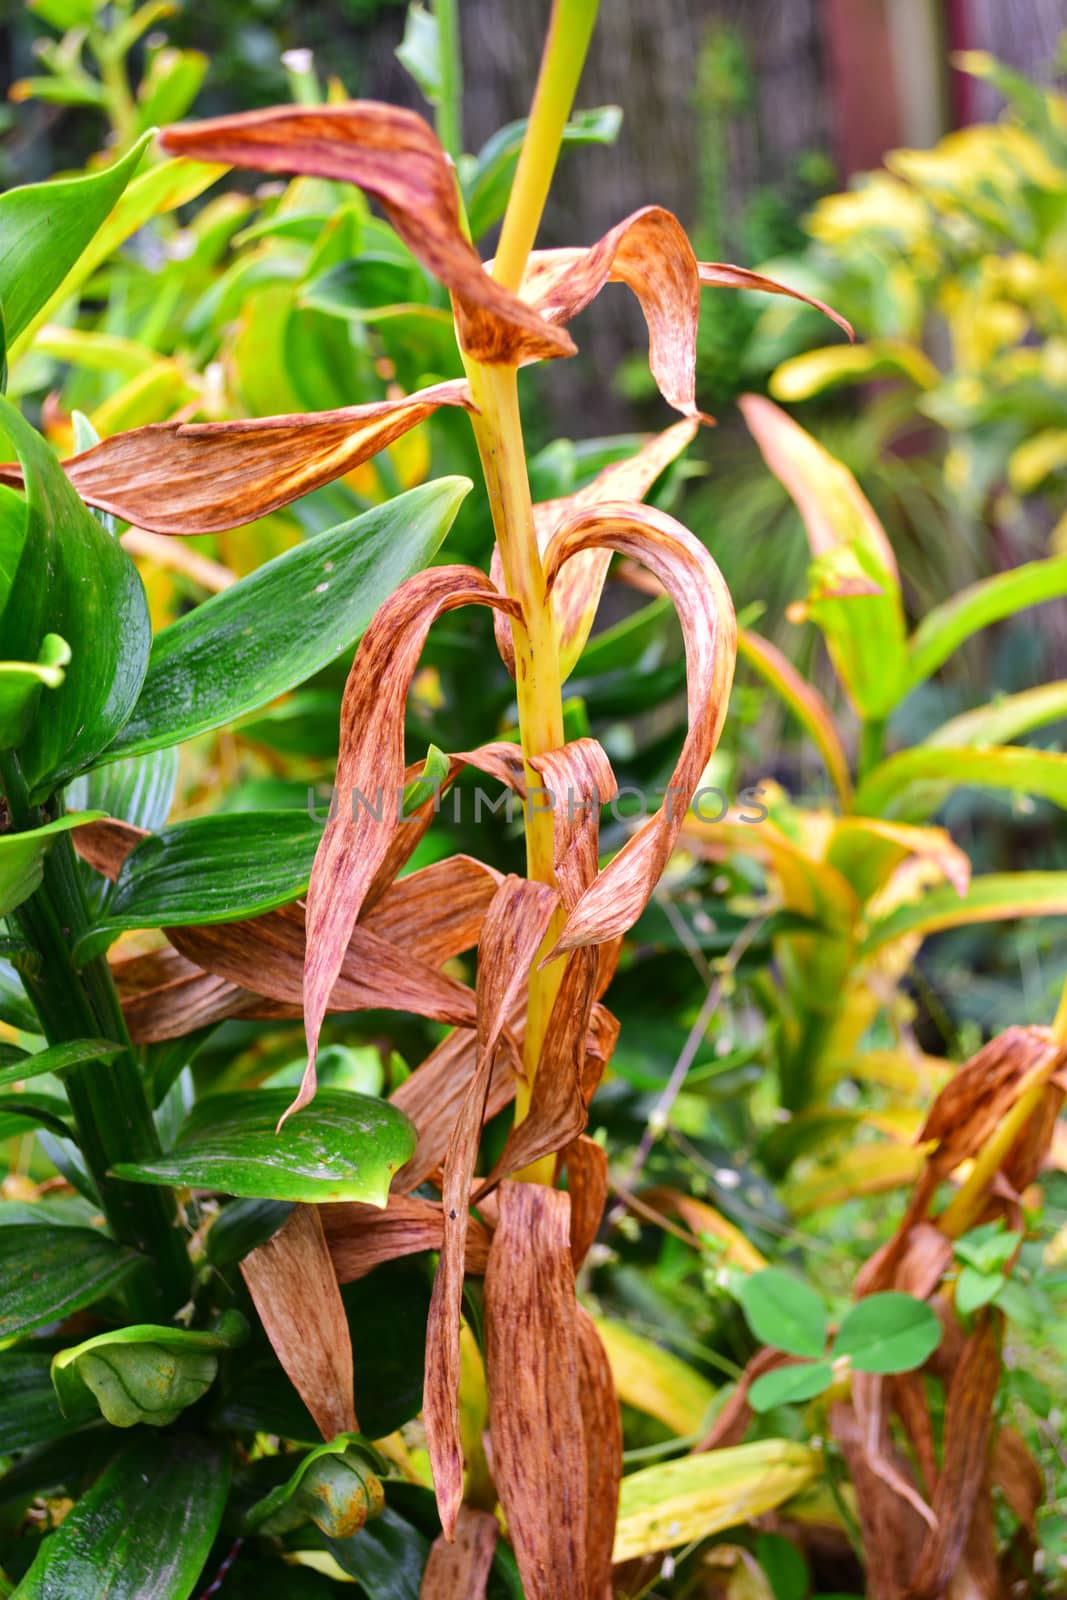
806	1081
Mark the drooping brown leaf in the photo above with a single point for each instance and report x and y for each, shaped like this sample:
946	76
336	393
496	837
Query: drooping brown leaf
576	592
459	1569
514	928
965	1459
586	1164
361	1237
972	1103
719	275
892	1529
393	155
201	477
534	1373
731	1422
1018	1477
294	1288
602	1425
616	898
354	842
435	1091
164	996
106	844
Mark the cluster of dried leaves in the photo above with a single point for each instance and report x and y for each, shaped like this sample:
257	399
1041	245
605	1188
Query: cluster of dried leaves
368	937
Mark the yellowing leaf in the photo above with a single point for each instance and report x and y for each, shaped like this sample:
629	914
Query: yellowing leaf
818	370
653	1380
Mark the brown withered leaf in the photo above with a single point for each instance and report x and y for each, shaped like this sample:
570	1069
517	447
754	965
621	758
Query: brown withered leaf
164	996
602	1425
534	1374
435	1091
354	843
1018	1477
616	898
965	1459
511	937
577	590
202	477
976	1097
892	1528
731	1423
720	275
907	1397
294	1288
106	844
586	1164
393	155
361	1237
459	1569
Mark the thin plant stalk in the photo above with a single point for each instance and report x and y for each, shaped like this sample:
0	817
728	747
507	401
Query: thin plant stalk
498	429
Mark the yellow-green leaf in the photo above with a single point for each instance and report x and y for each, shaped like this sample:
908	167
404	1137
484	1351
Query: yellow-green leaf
653	1380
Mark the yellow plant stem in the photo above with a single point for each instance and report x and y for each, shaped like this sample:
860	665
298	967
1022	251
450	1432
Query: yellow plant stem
498	429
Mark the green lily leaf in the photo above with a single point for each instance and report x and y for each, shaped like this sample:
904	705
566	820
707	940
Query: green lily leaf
44	227
70	578
336	1487
342	1147
22	857
975	1289
21	1112
30	1414
888	1333
211	869
991	897
487	178
58	1058
285	621
143	1373
242	1226
144	1529
48	1272
787	1385
911	785
21	683
784	1313
947	626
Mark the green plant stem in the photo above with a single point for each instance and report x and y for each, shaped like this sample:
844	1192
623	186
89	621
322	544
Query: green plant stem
872	746
449	118
498	430
107	1098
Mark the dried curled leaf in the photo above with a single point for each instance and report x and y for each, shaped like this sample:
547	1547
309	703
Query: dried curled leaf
293	1284
164	996
615	899
720	275
511	937
534	1371
201	477
356	840
361	1237
393	155
602	1425
577	590
459	1570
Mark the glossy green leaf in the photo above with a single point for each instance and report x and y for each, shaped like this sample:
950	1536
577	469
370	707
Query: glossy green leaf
945	628
336	1486
487	184
991	897
387	1312
143	1373
22	857
139	789
30	1414
210	869
1003	720
19	1113
388	1557
21	683
912	784
161	188
788	1385
243	1226
58	1058
144	1529
342	1147
887	1333
44	227
285	621
783	1312
48	1272
75	580
360	289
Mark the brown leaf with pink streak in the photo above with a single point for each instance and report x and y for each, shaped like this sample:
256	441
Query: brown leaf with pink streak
534	1374
577	590
586	1164
433	1095
514	928
393	155
106	844
1018	1477
892	1529
201	477
294	1289
164	996
615	899
719	275
354	844
965	1460
459	1569
972	1103
602	1426
361	1237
